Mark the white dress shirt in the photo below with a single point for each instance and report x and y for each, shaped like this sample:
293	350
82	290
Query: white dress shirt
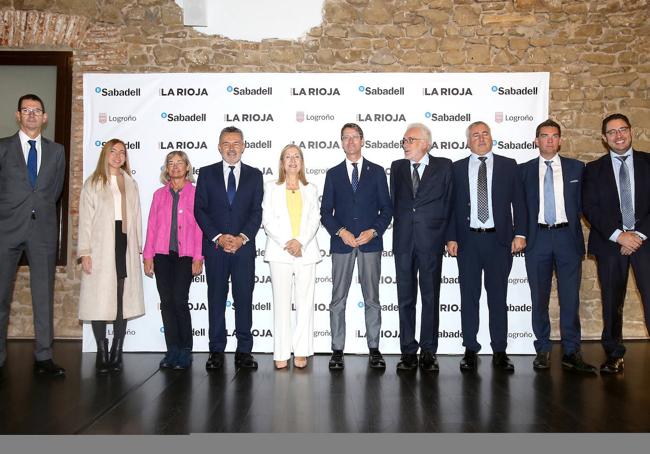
558	190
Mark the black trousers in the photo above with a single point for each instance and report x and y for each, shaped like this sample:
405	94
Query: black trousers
173	279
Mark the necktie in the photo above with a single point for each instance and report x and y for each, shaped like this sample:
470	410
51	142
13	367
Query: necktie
627	204
32	162
416	178
355	177
549	195
232	188
481	189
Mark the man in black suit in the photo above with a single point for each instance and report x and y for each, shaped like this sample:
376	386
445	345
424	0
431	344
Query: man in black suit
228	208
488	197
553	198
616	202
32	172
420	187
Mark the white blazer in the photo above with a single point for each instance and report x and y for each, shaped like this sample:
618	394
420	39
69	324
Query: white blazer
275	219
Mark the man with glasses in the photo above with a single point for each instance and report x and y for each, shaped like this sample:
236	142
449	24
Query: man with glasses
488	226
32	172
616	202
228	208
420	188
356	211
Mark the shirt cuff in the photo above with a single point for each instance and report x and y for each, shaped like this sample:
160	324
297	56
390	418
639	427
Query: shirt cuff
615	235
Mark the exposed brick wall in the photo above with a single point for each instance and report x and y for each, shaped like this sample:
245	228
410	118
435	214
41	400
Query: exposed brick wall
595	50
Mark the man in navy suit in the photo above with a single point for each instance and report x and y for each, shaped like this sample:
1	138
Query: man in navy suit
421	188
356	211
488	197
553	199
228	208
616	202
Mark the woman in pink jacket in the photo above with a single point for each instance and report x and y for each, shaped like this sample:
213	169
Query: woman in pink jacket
173	252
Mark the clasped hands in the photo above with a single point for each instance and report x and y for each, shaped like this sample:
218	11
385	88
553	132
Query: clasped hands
293	247
230	243
352	241
518	245
630	242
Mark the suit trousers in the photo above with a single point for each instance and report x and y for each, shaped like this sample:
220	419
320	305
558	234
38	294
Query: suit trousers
481	254
555	250
613	274
41	255
173	280
409	269
369	264
293	282
220	267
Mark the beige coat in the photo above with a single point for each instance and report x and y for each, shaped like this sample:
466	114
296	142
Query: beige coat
98	298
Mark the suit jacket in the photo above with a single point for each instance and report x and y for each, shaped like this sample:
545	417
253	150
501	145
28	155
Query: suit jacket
216	216
368	208
421	221
508	204
276	222
17	198
601	205
572	179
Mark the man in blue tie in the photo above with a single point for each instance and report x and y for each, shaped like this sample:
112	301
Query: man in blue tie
356	211
616	202
552	184
228	208
32	172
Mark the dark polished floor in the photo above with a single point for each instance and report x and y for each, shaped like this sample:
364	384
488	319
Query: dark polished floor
145	400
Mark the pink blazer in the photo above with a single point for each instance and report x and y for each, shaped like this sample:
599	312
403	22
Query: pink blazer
159	224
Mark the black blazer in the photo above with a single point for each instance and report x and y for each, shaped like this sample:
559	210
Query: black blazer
601	205
420	222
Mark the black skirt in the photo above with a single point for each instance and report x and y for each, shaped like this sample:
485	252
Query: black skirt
120	251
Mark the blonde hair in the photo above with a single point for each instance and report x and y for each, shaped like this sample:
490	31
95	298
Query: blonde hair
283	174
101	173
164	174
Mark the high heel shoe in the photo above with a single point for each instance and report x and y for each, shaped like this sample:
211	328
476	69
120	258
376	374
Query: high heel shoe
281	364
300	362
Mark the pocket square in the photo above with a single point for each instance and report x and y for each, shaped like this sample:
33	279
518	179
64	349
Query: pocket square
574	181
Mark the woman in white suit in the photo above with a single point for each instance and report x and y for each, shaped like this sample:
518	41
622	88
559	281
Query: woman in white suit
291	219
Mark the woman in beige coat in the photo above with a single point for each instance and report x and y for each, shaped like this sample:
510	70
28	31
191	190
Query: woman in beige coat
110	239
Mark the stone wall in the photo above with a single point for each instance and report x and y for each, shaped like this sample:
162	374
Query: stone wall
595	50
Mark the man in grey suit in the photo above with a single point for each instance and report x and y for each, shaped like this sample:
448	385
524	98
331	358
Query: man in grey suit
32	171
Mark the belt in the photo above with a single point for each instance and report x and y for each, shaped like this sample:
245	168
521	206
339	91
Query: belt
561	225
479	230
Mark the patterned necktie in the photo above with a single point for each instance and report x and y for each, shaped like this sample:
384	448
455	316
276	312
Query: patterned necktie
481	191
232	188
355	177
549	195
32	160
416	178
627	204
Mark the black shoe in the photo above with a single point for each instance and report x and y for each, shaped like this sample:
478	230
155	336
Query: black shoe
501	361
575	363
542	361
101	359
215	361
336	361
48	367
428	361
469	361
245	361
376	360
115	359
408	361
612	366
169	359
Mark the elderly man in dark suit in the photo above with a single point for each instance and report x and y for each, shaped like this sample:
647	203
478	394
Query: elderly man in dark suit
228	208
421	188
553	199
488	225
616	202
32	172
356	211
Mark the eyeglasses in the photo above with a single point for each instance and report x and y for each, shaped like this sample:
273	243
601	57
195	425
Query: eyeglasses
29	110
408	140
622	131
348	138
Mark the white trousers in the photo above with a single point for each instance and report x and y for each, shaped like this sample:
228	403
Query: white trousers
293	280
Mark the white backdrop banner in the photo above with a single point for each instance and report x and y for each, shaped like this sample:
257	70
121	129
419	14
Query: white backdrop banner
158	113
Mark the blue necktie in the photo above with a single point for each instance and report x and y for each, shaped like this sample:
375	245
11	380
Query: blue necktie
627	205
549	195
232	188
32	160
355	177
